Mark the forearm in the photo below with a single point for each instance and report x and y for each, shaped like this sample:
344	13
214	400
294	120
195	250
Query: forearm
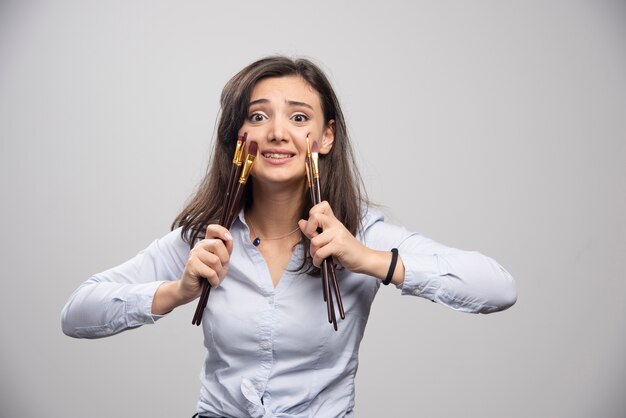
462	280
99	309
377	264
121	298
169	296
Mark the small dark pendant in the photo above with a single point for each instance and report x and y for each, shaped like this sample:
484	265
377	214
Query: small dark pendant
256	241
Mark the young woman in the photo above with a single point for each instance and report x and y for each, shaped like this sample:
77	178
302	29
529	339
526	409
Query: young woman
270	349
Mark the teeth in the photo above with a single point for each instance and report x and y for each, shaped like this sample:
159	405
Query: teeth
273	155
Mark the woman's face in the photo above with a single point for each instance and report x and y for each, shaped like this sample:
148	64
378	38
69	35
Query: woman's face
282	111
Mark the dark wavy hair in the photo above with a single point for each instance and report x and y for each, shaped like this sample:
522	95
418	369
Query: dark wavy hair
345	192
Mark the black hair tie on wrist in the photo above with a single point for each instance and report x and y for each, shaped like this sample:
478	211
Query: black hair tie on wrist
392	266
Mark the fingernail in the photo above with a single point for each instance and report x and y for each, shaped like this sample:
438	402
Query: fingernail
228	236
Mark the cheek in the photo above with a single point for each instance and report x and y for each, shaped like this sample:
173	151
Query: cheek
254	132
300	143
314	132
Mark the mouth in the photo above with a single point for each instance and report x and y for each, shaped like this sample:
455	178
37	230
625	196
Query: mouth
277	155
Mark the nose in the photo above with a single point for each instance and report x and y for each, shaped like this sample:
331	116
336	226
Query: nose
277	131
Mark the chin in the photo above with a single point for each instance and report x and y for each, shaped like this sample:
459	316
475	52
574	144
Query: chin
280	181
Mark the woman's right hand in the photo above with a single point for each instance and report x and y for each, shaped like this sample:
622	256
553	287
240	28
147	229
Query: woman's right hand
208	260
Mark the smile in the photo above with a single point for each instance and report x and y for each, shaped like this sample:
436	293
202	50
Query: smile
277	156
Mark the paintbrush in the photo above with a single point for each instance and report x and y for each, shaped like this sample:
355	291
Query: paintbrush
241	184
234	175
329	278
328	262
231	205
314	201
230	186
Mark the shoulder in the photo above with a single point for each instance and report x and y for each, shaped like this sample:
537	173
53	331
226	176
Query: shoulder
378	233
370	216
375	231
171	243
173	238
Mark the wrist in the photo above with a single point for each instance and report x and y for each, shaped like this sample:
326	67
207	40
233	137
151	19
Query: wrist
373	263
183	294
169	296
377	264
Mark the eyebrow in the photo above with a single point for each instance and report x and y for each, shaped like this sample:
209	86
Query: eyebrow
289	102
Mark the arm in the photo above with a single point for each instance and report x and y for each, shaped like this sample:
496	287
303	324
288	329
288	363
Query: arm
158	279
467	281
121	298
463	280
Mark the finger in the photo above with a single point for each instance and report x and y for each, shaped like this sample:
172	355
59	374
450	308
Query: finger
322	207
327	251
216	231
216	247
202	271
210	260
219	232
318	222
204	264
319	241
302	224
310	228
323	246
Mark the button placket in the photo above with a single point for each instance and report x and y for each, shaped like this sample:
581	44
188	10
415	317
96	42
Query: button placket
265	342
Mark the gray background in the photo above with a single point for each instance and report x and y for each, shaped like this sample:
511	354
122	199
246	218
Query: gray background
497	126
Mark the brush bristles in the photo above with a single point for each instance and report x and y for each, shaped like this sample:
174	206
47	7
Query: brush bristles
253	147
314	147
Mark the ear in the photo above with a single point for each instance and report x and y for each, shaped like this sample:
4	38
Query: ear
328	137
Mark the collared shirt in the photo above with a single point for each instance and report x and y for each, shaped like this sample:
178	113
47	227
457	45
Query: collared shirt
270	350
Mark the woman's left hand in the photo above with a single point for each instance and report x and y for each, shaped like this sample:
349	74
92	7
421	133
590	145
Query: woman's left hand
333	240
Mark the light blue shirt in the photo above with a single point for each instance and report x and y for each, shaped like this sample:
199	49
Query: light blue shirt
270	350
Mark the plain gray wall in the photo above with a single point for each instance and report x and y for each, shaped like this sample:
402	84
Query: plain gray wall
497	126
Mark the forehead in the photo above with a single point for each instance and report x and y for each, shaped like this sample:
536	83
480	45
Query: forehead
287	88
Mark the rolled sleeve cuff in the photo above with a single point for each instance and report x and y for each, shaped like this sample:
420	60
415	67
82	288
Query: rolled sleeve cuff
429	277
138	304
421	276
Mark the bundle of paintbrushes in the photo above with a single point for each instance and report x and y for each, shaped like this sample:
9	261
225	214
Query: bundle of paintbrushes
330	286
239	173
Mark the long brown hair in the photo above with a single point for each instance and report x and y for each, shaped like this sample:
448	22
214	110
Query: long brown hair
345	193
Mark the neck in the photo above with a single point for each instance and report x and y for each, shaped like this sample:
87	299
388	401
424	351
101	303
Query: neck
275	212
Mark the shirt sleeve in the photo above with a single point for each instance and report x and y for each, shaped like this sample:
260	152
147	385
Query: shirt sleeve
120	298
466	281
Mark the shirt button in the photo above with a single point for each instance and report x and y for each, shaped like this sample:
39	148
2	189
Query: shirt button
265	345
258	385
456	306
417	292
270	300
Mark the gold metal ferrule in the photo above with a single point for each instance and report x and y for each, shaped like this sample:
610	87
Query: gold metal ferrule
315	162
308	176
238	152
247	167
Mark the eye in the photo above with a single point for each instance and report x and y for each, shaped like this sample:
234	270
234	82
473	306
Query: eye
257	117
300	118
